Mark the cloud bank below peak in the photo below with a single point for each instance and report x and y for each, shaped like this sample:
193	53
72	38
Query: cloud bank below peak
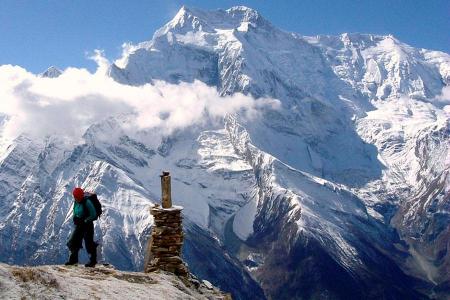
69	104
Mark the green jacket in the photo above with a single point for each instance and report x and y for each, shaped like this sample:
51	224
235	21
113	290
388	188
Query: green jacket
78	211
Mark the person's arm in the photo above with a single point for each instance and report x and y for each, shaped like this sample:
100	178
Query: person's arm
91	209
76	213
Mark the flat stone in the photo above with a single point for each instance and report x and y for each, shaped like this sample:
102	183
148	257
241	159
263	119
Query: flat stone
168	238
167	230
172	225
169	269
208	284
171	242
170	220
151	269
173	259
160	249
173	209
168	254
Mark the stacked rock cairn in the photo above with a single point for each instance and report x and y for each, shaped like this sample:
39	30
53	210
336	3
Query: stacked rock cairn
167	234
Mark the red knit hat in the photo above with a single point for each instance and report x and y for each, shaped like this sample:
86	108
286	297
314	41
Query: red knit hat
78	193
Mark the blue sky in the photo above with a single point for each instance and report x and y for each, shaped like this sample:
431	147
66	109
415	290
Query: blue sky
37	34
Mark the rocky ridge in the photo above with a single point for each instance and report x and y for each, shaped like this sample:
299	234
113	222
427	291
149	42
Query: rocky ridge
102	282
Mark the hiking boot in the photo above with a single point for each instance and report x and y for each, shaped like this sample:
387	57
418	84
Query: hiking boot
90	264
93	260
73	259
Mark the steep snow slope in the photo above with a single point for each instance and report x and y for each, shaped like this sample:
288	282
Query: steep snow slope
382	67
346	181
341	96
124	173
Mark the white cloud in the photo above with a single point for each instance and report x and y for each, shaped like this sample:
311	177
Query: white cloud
444	97
101	60
69	104
127	49
443	100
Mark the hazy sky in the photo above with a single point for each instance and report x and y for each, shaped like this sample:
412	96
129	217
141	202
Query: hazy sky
37	34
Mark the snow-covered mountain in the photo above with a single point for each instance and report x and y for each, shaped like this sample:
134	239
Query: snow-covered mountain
342	192
52	72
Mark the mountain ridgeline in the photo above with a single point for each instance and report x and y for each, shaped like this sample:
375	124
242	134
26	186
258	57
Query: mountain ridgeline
342	192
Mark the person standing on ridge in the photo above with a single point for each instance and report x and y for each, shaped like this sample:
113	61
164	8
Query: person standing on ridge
84	214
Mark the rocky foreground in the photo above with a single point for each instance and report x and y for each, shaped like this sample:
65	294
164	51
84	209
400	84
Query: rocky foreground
104	282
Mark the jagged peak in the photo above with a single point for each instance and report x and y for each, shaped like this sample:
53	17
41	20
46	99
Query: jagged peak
357	38
363	41
51	72
193	19
242	8
246	13
364	38
184	13
187	19
192	11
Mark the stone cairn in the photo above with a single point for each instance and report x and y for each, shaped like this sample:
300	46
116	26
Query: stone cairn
164	252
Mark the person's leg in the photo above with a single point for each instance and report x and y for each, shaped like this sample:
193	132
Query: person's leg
75	244
91	246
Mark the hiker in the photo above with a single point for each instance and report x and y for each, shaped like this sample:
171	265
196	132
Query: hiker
84	214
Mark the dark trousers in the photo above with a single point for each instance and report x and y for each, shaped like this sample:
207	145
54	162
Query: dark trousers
82	231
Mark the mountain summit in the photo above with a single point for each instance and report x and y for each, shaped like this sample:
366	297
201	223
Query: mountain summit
51	72
343	188
198	20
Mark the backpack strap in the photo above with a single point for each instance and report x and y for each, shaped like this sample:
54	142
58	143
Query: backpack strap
86	212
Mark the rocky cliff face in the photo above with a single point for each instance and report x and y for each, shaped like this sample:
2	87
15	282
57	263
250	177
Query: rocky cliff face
340	192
